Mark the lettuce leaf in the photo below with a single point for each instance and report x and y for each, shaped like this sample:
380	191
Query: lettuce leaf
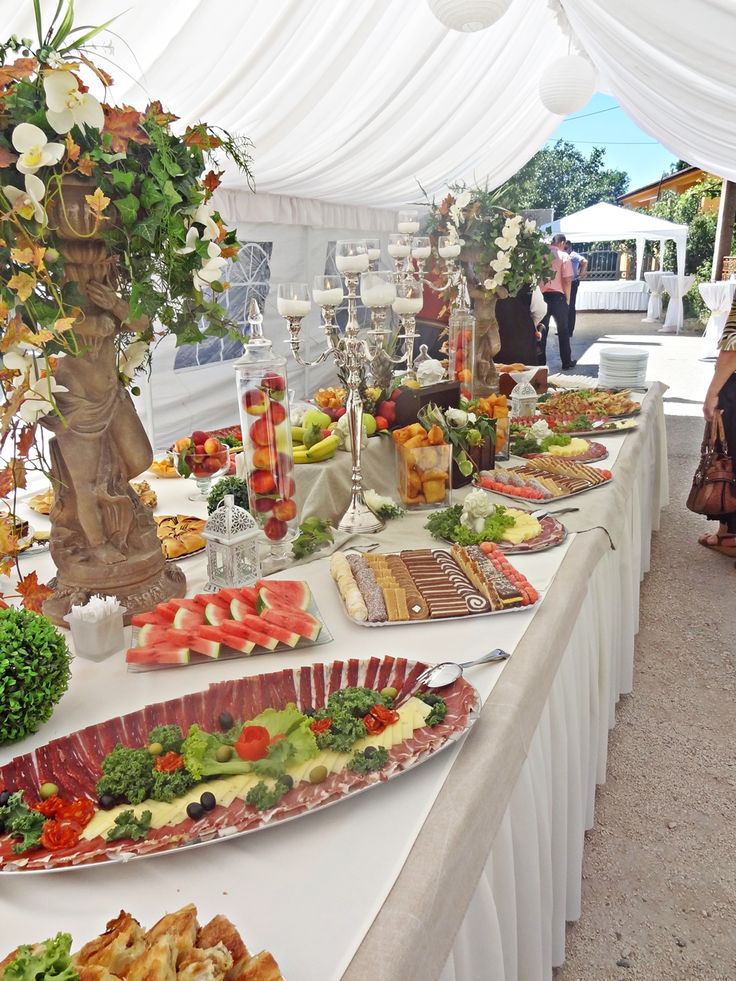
48	961
300	738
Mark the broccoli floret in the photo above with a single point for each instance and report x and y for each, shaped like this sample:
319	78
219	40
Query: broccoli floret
199	750
167	786
127	773
171	737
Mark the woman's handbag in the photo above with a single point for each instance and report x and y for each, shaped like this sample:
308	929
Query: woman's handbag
714	485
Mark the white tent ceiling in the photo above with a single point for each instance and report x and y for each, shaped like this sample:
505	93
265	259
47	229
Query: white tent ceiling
354	101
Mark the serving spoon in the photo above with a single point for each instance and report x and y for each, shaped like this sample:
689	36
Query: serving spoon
442	675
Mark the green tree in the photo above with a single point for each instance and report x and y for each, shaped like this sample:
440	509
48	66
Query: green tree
563	178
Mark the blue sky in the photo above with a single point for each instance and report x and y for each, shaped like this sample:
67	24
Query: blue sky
627	147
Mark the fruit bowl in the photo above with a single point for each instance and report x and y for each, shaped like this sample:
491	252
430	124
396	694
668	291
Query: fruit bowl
205	461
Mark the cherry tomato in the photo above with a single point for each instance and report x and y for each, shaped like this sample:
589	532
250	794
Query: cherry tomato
168	762
253	743
57	835
321	725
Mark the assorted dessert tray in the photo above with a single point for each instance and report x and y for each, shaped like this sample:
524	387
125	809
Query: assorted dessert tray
422	584
176	947
243	755
270	616
543	479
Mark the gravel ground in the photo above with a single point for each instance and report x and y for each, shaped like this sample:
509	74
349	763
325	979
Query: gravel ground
659	889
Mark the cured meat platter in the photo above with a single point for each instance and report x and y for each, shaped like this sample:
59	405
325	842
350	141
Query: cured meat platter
424	584
72	766
553	533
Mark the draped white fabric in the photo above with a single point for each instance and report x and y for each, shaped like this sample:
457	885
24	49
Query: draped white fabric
619	294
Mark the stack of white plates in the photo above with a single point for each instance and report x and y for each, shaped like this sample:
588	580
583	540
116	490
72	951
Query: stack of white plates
623	367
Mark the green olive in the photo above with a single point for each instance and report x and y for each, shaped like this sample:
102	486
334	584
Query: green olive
224	754
389	693
155	749
47	790
317	774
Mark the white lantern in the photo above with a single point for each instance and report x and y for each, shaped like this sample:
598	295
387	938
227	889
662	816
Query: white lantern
567	84
232	535
468	15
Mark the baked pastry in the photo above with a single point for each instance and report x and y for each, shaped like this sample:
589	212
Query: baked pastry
42	503
146	494
179	534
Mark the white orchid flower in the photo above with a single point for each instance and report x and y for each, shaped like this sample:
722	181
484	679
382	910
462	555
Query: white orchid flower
37	400
540	430
456	214
472	417
28	203
456	418
132	358
191	242
55	60
489	284
530	225
203	216
464	199
34	149
67	106
501	262
514	221
16	359
211	269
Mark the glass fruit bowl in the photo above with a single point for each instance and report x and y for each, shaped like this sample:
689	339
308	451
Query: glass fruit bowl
205	461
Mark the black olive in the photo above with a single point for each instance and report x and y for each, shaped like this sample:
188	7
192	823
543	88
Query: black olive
226	721
309	711
106	802
287	780
369	751
208	802
358	712
4	798
2	827
431	699
121	799
195	811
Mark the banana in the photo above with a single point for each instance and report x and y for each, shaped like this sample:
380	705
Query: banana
297	434
324	449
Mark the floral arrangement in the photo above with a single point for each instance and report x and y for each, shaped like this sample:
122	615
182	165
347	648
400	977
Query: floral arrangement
474	521
502	251
462	430
384	507
149	191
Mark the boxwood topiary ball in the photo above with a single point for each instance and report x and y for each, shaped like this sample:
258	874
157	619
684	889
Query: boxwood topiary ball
34	672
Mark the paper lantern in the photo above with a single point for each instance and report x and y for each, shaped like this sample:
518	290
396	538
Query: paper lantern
468	15
567	84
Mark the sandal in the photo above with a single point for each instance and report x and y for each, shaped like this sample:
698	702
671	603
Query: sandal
717	543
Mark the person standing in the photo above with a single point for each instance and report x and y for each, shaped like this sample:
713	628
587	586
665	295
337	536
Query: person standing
556	292
579	271
721	397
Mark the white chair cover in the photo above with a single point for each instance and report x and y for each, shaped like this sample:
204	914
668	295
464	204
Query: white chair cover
654	307
718	297
677	287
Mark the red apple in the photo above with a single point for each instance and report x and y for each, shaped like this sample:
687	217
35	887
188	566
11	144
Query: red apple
286	486
284	510
198	437
262	432
276	413
199	449
255	402
275	529
265	458
212	445
264	504
387	409
262	482
395	395
339	413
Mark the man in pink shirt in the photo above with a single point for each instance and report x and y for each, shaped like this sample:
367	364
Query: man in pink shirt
556	292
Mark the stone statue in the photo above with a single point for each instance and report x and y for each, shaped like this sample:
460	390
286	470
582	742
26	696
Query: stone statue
103	540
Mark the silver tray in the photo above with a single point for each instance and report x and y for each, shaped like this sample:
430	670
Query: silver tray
226	834
548	500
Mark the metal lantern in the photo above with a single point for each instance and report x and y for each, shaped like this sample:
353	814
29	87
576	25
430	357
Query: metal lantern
232	535
523	395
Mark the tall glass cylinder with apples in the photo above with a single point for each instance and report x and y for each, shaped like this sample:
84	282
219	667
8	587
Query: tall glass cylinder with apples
263	398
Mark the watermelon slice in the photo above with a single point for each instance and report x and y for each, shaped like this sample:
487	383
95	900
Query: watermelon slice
292	593
162	653
160	619
239	609
303	623
204	645
260	637
205	599
283	635
189	619
215	614
167	609
235	641
241	593
151	633
182	603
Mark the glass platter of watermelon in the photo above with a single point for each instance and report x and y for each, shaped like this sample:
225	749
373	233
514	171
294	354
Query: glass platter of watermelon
73	762
238	622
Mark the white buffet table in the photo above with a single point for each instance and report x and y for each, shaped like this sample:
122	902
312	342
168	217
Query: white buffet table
619	294
384	880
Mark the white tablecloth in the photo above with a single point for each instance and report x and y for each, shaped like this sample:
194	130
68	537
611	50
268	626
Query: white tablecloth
654	307
677	287
718	297
311	889
619	294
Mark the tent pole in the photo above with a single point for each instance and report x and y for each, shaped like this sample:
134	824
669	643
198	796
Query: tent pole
725	227
662	243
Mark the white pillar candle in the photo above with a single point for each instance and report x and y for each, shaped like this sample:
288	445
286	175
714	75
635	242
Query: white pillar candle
422	252
328	298
380	295
373	254
408	227
407	304
352	263
293	308
449	251
398	251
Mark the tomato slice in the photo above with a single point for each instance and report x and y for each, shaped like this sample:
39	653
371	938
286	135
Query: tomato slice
253	743
51	807
373	725
386	715
80	811
321	725
57	835
169	762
